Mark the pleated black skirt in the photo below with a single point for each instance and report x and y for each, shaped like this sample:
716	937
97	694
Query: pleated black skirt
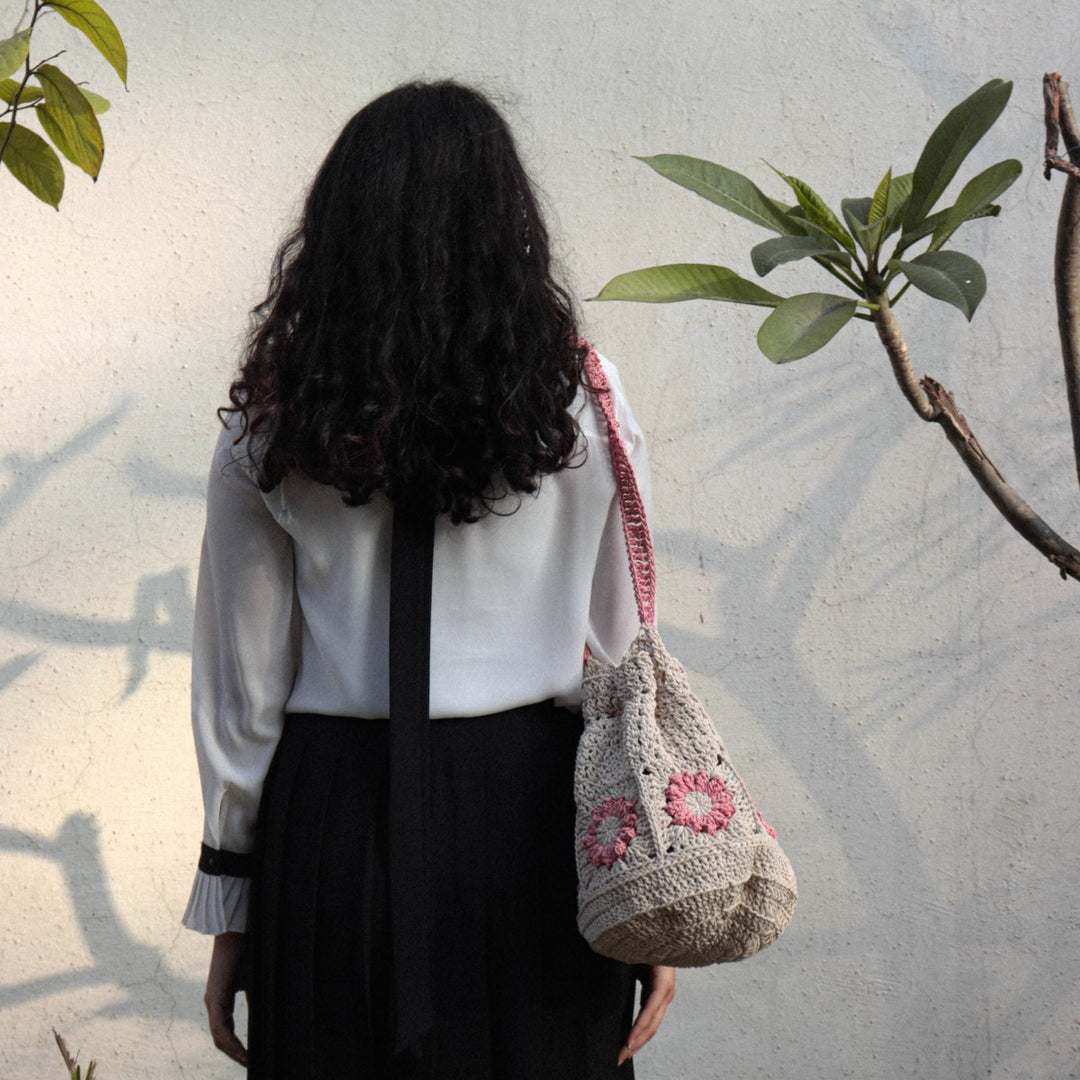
518	995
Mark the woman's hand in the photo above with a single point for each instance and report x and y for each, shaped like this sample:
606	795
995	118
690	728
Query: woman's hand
658	988
225	981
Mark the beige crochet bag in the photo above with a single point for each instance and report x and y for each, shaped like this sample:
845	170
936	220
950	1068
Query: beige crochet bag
676	865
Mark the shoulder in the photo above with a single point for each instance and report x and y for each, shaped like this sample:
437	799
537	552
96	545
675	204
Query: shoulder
591	419
235	460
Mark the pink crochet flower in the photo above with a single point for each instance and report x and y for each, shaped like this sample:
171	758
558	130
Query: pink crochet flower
699	801
614	825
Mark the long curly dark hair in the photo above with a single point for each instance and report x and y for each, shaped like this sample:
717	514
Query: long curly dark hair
413	340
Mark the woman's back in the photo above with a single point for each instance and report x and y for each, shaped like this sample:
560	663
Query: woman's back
516	596
414	356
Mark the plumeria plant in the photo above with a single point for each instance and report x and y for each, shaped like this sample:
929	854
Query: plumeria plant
871	249
66	111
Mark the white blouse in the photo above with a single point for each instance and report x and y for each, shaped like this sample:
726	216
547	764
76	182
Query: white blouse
293	608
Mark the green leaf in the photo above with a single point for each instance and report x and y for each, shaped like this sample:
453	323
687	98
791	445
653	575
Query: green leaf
815	208
69	120
879	205
856	211
785	208
978	194
90	18
770	254
13	53
800	225
900	192
686	281
857	215
9	88
802	324
952	141
725	187
98	103
33	162
951	276
937	221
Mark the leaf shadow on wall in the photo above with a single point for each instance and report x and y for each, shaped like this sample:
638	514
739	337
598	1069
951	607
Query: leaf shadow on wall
767	596
163	611
160	621
139	973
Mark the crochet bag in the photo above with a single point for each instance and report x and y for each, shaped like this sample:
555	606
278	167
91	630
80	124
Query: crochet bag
676	865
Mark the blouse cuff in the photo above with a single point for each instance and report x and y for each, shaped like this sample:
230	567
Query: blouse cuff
218	903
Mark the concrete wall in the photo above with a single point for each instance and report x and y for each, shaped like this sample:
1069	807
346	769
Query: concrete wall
892	667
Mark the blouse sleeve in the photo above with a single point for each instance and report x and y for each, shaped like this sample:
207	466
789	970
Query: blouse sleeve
613	617
244	661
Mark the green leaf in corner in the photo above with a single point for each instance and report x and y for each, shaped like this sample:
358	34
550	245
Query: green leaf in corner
9	88
13	52
770	254
951	276
724	187
879	205
953	139
98	103
34	163
69	120
816	209
686	281
89	17
802	325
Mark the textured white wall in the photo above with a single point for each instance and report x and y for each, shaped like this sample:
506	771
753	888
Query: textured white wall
892	667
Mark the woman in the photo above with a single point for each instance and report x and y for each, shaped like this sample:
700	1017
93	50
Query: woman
413	361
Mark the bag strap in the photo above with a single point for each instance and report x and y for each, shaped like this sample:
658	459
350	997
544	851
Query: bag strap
411	557
639	547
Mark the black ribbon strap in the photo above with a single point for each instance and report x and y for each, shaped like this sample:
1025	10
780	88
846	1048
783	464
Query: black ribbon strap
411	555
217	861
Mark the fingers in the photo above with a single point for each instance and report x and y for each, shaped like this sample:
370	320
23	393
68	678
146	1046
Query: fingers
659	989
222	984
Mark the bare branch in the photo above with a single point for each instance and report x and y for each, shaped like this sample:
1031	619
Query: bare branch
935	404
1060	118
1012	507
69	1061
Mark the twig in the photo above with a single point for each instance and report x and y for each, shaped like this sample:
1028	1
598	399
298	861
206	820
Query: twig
935	404
1051	111
1060	117
1012	507
69	1061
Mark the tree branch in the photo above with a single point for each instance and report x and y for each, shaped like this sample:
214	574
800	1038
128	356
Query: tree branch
1012	507
896	347
934	403
1060	118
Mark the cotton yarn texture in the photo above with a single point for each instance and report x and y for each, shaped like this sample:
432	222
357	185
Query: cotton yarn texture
676	865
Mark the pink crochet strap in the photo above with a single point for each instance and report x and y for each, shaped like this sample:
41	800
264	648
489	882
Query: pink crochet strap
639	548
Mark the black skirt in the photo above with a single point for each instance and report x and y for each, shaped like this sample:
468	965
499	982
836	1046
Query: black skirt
518	995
